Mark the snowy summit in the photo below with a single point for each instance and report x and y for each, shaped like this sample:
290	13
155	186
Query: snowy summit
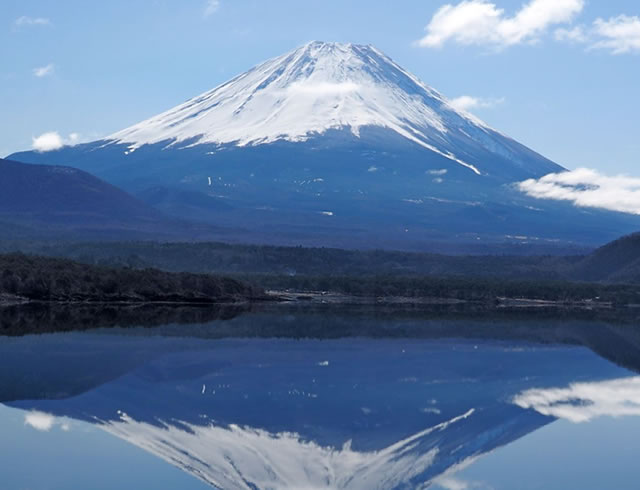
315	88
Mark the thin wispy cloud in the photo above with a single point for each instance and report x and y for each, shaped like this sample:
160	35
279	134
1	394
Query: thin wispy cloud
619	34
32	21
587	188
44	71
576	34
469	103
211	7
323	89
480	22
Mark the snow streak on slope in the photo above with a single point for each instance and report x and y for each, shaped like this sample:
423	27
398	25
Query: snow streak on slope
316	88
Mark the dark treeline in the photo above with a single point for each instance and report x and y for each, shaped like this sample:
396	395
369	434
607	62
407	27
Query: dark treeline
49	279
36	318
220	258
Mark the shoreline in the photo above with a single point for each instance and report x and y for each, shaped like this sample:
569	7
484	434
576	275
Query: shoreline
328	298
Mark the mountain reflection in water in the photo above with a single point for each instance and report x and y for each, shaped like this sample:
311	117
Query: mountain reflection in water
339	413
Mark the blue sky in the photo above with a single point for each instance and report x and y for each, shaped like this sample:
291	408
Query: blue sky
561	76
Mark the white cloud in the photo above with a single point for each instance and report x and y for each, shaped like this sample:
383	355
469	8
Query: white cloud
39	420
32	21
211	7
619	34
47	142
53	141
44	71
582	402
481	22
587	188
468	103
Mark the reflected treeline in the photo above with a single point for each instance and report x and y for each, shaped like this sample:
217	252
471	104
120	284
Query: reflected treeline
612	333
37	318
298	320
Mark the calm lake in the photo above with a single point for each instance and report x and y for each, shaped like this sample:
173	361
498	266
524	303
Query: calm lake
315	398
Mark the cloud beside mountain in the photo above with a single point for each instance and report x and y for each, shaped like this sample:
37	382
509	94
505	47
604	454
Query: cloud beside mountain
52	140
587	188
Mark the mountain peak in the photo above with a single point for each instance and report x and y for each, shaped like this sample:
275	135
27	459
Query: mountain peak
317	87
332	46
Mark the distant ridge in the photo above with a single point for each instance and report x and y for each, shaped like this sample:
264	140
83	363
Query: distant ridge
616	262
41	200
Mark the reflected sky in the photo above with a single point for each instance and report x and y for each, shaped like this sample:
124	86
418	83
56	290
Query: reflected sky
80	457
284	414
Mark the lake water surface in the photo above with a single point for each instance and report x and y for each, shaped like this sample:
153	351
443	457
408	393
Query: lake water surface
384	400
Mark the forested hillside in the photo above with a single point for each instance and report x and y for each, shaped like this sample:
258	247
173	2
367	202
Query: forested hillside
48	279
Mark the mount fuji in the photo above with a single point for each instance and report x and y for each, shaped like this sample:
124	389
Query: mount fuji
336	144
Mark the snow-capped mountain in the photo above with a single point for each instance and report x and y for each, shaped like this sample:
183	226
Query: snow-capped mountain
335	144
318	87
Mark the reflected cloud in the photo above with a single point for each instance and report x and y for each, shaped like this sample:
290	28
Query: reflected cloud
451	483
40	421
450	480
582	402
454	483
44	422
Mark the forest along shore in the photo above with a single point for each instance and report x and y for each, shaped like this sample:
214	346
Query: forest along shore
29	278
25	278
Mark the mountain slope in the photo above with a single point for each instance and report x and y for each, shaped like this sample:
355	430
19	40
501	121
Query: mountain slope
44	199
336	144
68	194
